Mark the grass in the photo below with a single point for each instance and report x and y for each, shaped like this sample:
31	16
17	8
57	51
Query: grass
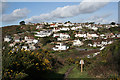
60	72
76	73
64	69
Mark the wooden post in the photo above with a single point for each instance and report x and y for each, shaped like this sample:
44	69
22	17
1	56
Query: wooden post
81	67
81	62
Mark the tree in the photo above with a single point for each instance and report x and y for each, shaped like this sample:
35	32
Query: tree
22	23
112	23
92	23
45	40
67	22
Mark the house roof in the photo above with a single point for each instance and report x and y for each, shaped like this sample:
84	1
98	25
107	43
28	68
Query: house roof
52	24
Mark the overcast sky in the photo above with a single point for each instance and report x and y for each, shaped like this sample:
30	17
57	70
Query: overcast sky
99	12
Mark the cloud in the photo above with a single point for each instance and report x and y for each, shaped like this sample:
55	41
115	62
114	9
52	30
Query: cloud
70	11
15	15
100	19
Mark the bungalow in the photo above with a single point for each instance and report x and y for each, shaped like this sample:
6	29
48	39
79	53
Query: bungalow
56	29
25	47
92	35
95	54
61	36
29	39
60	47
89	44
73	28
94	28
64	29
7	39
35	41
39	26
77	43
68	24
64	35
96	44
44	33
76	28
12	44
81	35
110	42
102	35
53	25
104	42
102	48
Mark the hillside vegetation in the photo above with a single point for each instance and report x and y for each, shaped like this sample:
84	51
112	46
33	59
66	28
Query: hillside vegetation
107	64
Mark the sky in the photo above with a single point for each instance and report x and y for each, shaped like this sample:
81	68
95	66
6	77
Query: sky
99	12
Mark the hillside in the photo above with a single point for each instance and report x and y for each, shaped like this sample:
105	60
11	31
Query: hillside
15	29
21	61
106	64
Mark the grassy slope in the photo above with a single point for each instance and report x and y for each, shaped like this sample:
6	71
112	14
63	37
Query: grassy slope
107	63
76	73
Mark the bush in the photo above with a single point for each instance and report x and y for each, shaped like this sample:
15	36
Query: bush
21	64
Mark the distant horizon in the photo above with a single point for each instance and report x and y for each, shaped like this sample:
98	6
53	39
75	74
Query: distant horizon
57	22
34	12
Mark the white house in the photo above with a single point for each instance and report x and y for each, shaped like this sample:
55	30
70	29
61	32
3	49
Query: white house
35	41
92	35
53	25
104	42
96	44
81	35
77	43
44	33
25	47
64	29
90	45
56	35
88	25
95	54
39	26
60	47
94	28
102	48
110	42
75	28
29	39
68	24
61	35
12	44
56	29
102	35
7	39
